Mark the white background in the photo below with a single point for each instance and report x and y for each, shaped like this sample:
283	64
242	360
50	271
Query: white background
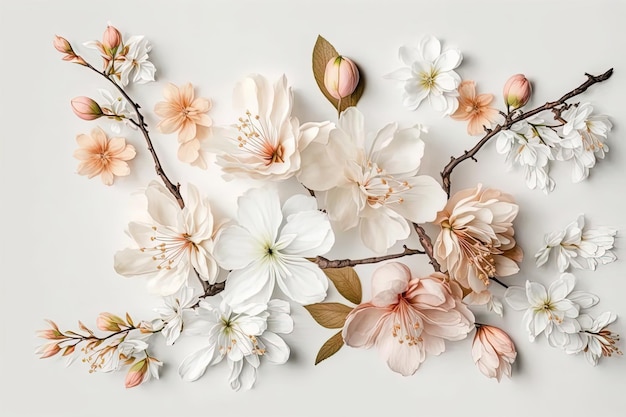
60	230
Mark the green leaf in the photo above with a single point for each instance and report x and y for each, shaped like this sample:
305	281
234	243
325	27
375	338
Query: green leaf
329	348
347	283
329	315
323	51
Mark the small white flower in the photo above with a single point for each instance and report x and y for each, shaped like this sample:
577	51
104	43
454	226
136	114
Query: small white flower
116	104
372	184
429	72
172	312
173	243
597	341
551	311
584	135
269	246
134	66
577	247
267	140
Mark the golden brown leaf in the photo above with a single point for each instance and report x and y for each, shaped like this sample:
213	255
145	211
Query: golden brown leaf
329	348
347	283
329	315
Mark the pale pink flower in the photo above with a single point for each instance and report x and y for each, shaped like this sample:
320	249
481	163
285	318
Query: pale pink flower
493	352
183	112
102	156
516	91
341	77
474	108
408	317
476	239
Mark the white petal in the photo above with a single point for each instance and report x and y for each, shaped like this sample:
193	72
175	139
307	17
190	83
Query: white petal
259	212
131	262
249	285
236	248
403	153
381	228
516	298
423	201
314	235
584	299
318	170
408	55
430	48
194	365
560	288
536	293
401	74
305	284
449	60
343	206
298	203
162	206
352	122
277	350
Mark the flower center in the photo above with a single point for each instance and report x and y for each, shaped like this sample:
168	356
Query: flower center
381	188
591	143
257	140
478	254
428	79
232	332
407	324
169	247
104	158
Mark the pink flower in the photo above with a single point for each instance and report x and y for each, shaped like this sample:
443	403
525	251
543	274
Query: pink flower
102	156
408	317
112	38
476	239
86	108
474	108
183	112
493	352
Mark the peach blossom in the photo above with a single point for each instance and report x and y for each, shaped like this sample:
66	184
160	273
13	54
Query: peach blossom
182	112
136	374
341	77
62	45
109	322
99	155
476	239
112	38
475	109
408	317
516	91
493	352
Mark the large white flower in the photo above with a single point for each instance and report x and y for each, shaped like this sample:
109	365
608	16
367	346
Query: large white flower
552	311
429	72
269	246
266	141
582	249
242	335
584	135
172	243
373	186
134	66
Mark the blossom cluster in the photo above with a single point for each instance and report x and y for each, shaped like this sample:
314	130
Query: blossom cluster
232	281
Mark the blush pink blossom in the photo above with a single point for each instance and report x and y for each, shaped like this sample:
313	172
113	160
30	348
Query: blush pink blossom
408	317
516	91
493	352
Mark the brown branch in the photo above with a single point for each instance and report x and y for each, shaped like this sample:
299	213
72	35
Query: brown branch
174	189
427	244
515	117
325	263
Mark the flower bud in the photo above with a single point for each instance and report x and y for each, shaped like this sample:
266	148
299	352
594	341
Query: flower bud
341	77
86	108
109	322
62	45
137	374
112	38
516	91
493	352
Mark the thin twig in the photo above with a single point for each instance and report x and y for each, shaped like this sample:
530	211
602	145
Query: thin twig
325	263
515	117
499	282
427	244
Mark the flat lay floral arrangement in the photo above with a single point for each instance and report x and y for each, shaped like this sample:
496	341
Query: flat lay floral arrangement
233	282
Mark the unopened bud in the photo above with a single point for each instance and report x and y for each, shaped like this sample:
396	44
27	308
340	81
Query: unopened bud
49	349
109	322
341	77
516	91
136	374
86	108
112	38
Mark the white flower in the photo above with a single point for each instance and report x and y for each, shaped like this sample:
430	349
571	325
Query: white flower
552	312
429	73
134	66
242	335
271	346
577	247
267	141
375	188
172	243
269	246
110	355
584	136
116	105
172	312
597	340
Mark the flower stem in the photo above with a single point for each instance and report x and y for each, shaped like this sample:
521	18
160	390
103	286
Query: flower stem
514	117
325	263
427	244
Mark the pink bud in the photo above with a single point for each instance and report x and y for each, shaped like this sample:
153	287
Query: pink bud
86	108
112	38
517	91
62	45
109	322
49	349
493	352
136	374
341	77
